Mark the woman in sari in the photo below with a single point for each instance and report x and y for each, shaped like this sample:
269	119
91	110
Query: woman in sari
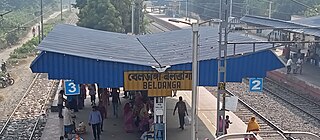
144	117
105	99
138	104
253	126
128	118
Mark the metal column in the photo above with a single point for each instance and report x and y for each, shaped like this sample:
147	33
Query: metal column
61	10
160	128
222	63
132	17
195	31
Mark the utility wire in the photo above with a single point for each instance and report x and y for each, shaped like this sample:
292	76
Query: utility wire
24	24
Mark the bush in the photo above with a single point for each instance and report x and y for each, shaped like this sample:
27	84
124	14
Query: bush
18	56
12	61
11	38
27	49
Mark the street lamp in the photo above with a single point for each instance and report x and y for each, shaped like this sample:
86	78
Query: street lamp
195	34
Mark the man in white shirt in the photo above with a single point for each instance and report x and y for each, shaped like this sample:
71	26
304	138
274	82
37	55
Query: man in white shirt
68	121
289	63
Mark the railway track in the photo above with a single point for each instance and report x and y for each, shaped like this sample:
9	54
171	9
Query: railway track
277	109
23	120
296	100
268	130
73	18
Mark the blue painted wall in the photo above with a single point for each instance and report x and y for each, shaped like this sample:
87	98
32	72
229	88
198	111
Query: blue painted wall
110	74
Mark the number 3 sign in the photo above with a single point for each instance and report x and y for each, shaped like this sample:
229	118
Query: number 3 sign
256	84
71	88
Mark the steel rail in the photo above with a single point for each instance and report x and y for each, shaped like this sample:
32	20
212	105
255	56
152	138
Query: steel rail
43	108
19	103
275	127
292	104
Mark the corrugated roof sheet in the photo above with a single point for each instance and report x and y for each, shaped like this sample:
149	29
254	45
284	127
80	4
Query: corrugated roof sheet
171	48
277	23
110	74
311	21
166	48
95	44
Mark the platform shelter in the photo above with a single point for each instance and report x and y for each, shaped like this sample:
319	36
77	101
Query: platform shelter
106	58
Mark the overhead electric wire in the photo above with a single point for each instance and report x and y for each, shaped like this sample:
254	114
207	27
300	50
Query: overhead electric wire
24	24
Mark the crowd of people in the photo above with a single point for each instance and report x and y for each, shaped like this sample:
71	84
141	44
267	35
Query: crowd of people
137	112
294	61
98	113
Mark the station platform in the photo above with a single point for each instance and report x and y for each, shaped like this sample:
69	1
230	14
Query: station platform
114	127
308	81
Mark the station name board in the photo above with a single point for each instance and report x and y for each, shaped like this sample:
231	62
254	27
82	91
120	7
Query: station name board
158	84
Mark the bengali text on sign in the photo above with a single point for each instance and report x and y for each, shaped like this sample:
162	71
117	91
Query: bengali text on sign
158	82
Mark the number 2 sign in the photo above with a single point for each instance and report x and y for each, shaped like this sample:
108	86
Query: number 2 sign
256	84
71	88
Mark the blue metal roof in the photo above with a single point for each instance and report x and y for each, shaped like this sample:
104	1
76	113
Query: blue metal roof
81	64
174	47
96	44
166	48
277	23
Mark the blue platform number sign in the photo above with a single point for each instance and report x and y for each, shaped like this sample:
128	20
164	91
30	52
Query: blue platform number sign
256	84
71	88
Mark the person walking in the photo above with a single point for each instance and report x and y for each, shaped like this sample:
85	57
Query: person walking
289	65
83	95
182	111
253	126
3	66
105	100
33	32
95	120
92	93
100	91
115	101
228	122
61	99
299	65
103	113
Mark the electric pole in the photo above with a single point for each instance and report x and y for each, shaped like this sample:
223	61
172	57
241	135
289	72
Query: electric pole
41	18
61	9
186	9
270	8
222	64
132	16
231	8
247	7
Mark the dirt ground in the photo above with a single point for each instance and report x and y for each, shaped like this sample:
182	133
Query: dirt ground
10	96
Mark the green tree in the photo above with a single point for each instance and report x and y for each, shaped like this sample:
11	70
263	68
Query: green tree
101	15
312	11
80	3
124	8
